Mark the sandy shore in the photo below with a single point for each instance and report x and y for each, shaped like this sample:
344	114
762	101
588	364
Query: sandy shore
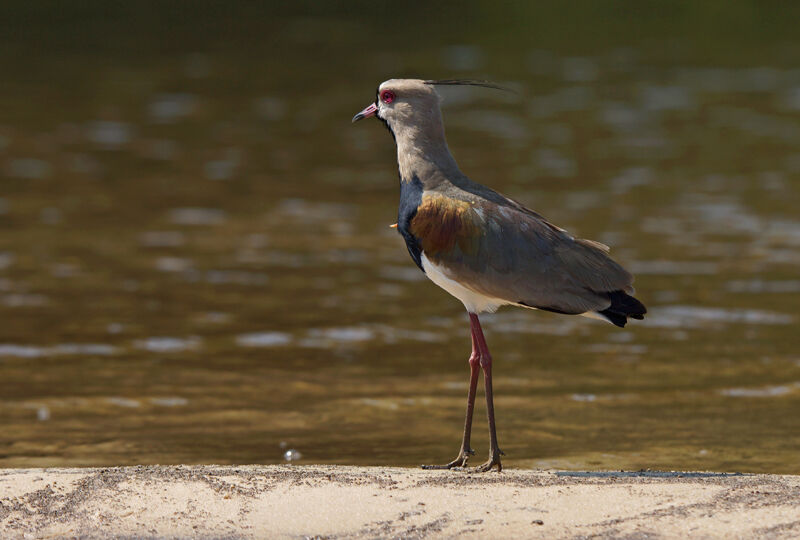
346	502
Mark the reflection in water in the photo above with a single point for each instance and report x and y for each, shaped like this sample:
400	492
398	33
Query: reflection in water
692	316
263	339
196	263
168	344
767	391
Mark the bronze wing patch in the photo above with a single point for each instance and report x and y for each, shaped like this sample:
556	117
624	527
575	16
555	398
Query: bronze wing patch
443	224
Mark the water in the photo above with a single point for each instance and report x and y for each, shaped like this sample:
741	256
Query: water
196	264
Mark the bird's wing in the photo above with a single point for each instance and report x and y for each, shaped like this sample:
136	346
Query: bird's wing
507	251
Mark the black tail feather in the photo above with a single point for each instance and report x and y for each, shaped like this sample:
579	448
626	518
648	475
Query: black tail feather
623	306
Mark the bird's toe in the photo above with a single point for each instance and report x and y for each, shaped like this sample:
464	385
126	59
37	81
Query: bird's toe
494	460
459	463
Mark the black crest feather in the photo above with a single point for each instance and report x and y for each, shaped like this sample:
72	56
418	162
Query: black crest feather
468	82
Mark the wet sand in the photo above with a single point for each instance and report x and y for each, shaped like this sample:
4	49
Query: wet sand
345	502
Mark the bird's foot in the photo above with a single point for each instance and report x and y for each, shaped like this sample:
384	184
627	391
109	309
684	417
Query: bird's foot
459	463
494	459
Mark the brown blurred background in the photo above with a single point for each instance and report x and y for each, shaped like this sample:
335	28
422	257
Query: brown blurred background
196	264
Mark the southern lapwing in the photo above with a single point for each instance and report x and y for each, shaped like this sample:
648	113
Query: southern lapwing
483	248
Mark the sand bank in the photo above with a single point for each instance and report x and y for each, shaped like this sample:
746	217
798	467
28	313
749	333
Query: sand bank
346	502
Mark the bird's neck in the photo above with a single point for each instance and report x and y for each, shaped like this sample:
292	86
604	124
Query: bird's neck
423	153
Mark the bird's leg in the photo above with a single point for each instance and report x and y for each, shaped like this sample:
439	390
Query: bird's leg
486	365
474	370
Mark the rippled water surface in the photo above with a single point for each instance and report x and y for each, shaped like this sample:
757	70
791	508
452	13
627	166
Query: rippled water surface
196	264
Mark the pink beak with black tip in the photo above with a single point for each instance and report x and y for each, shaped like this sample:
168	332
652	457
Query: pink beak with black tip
371	110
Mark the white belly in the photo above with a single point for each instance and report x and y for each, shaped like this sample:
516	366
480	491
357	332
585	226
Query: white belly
475	302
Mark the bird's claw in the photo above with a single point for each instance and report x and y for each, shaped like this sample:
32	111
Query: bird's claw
494	459
460	463
489	465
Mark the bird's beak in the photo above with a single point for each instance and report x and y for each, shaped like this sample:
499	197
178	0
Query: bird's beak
371	110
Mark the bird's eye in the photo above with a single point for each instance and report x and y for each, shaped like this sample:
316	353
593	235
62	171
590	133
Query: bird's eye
387	96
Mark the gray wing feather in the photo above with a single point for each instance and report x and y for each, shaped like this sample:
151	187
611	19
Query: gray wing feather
521	258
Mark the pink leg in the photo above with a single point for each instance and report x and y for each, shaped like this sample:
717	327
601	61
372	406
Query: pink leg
486	364
466	451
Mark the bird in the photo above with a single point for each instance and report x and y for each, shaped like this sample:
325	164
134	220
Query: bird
484	248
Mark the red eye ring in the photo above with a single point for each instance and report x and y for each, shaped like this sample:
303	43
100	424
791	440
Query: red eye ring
387	96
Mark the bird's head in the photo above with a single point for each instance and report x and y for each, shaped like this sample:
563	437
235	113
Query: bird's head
403	102
412	104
